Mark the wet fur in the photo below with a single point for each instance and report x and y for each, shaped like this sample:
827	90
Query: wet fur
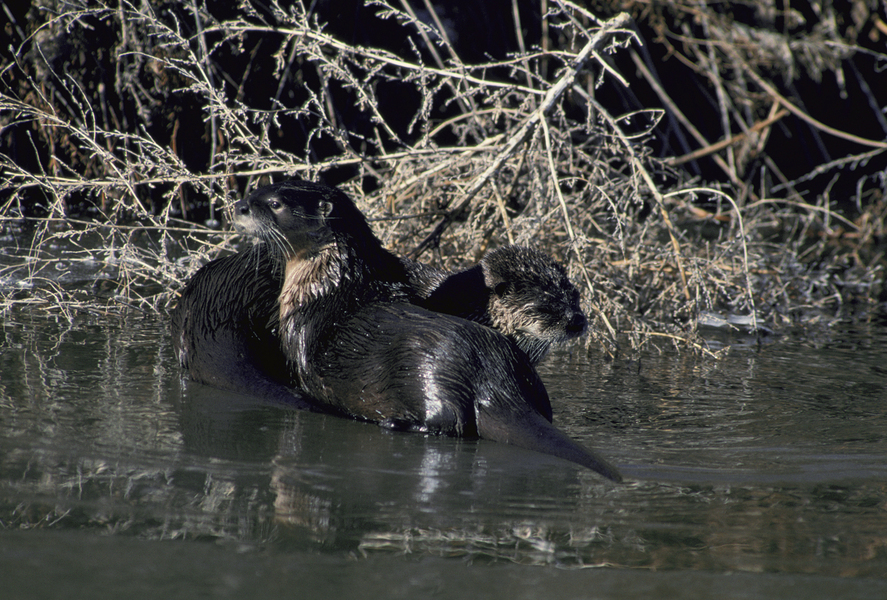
356	346
224	328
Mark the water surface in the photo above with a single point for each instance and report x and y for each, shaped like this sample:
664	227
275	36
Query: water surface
763	474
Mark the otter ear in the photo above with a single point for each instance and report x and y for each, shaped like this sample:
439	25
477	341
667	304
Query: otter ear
325	208
494	280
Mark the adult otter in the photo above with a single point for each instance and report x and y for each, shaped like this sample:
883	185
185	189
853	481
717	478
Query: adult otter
521	292
357	347
224	325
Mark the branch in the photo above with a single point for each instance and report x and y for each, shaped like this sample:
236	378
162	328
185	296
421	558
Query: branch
800	113
717	146
523	133
648	180
676	112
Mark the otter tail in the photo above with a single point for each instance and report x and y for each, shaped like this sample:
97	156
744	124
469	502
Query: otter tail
531	431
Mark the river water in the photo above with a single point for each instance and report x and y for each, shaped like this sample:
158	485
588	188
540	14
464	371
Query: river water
763	474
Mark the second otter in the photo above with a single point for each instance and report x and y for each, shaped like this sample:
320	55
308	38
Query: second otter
356	347
521	292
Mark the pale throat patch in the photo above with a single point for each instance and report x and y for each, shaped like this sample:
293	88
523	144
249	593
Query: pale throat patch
308	278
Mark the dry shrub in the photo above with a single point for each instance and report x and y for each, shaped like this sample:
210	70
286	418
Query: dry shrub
124	124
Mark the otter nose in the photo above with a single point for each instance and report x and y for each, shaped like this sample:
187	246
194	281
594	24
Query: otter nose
577	324
242	208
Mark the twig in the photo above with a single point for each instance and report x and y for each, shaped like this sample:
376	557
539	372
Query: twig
648	180
374	53
717	146
520	136
805	206
500	202
270	169
751	296
696	345
563	204
824	168
673	108
519	34
800	113
468	107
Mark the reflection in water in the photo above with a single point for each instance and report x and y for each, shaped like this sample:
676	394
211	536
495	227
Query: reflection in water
432	463
769	460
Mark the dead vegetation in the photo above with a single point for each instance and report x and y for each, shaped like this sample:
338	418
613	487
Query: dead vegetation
128	129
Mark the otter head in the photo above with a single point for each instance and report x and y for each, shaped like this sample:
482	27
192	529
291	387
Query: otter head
316	233
531	299
291	221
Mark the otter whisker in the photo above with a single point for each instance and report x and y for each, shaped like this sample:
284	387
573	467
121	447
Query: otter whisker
280	245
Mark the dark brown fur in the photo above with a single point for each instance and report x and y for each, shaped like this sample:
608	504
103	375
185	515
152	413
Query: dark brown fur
358	348
224	328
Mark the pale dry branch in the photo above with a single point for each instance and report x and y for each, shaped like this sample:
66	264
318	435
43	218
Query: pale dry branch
111	193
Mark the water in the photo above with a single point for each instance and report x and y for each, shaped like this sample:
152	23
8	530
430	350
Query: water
760	475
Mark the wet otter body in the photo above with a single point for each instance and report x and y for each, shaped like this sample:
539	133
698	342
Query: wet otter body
224	328
357	347
521	292
224	324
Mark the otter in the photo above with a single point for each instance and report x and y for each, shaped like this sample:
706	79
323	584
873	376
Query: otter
521	292
224	325
359	349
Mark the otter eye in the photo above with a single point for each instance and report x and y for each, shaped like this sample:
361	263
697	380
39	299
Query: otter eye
274	204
